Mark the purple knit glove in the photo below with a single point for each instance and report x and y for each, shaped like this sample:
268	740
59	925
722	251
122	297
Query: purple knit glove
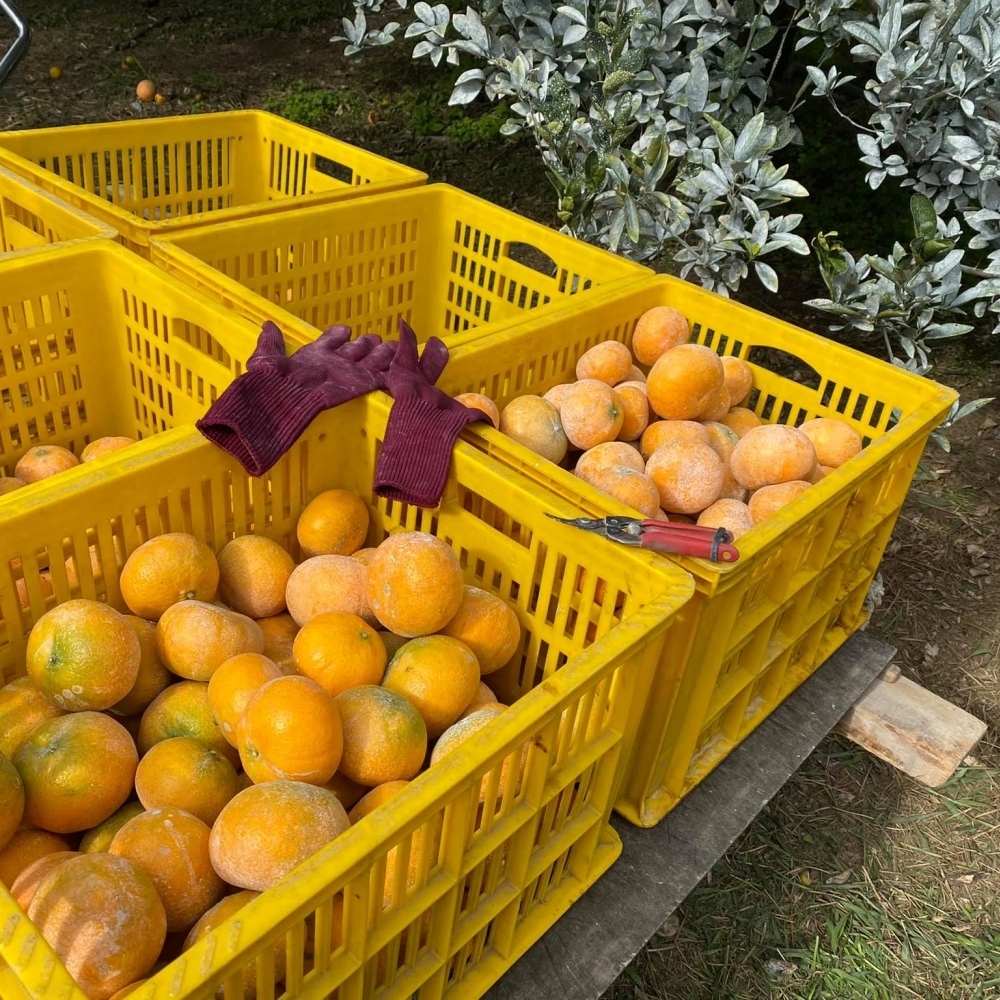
264	412
424	425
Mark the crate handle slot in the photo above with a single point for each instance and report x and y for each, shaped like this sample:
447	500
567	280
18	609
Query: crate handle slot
530	256
332	168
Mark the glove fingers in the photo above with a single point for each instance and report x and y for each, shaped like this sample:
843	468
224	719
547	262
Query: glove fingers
270	344
433	360
406	352
321	350
381	357
354	351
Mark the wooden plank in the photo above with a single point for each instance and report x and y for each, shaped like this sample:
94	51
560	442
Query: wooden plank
587	949
913	729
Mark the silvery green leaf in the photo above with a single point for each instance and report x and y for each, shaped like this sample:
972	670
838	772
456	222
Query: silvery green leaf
868	145
818	78
875	178
943	331
572	13
574	34
746	147
788	189
971	407
885	66
697	86
767	275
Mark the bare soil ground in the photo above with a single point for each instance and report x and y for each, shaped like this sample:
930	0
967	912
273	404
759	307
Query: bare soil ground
855	882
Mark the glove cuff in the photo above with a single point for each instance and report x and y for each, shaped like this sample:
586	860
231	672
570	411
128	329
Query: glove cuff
413	464
259	417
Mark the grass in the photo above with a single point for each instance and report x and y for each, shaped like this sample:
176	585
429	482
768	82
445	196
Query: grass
854	884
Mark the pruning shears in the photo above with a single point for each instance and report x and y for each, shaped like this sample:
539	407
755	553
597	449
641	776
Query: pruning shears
702	542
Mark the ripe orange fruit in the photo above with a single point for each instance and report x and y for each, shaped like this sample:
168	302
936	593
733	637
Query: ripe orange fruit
364	555
657	331
835	441
629	487
102	916
215	917
231	686
415	583
145	90
171	847
185	774
483	699
8	484
385	737
605	456
43	461
269	830
635	411
461	731
26	884
534	422
349	792
688	476
104	446
739	378
772	453
184	710
290	730
768	499
608	362
22	709
328	583
723	439
83	655
591	414
660	432
11	801
194	638
731	514
558	393
375	798
339	651
488	626
438	675
167	569
684	381
335	523
279	636
153	676
477	401
732	489
77	770
253	574
26	847
98	839
718	406
741	420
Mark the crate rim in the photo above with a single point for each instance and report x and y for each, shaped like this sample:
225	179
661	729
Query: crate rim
102	230
766	535
135	224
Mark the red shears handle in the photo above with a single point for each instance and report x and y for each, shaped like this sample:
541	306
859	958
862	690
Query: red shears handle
689	540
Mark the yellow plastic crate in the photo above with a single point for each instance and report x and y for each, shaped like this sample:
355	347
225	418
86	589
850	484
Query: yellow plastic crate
765	623
163	175
95	341
445	261
31	218
593	620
